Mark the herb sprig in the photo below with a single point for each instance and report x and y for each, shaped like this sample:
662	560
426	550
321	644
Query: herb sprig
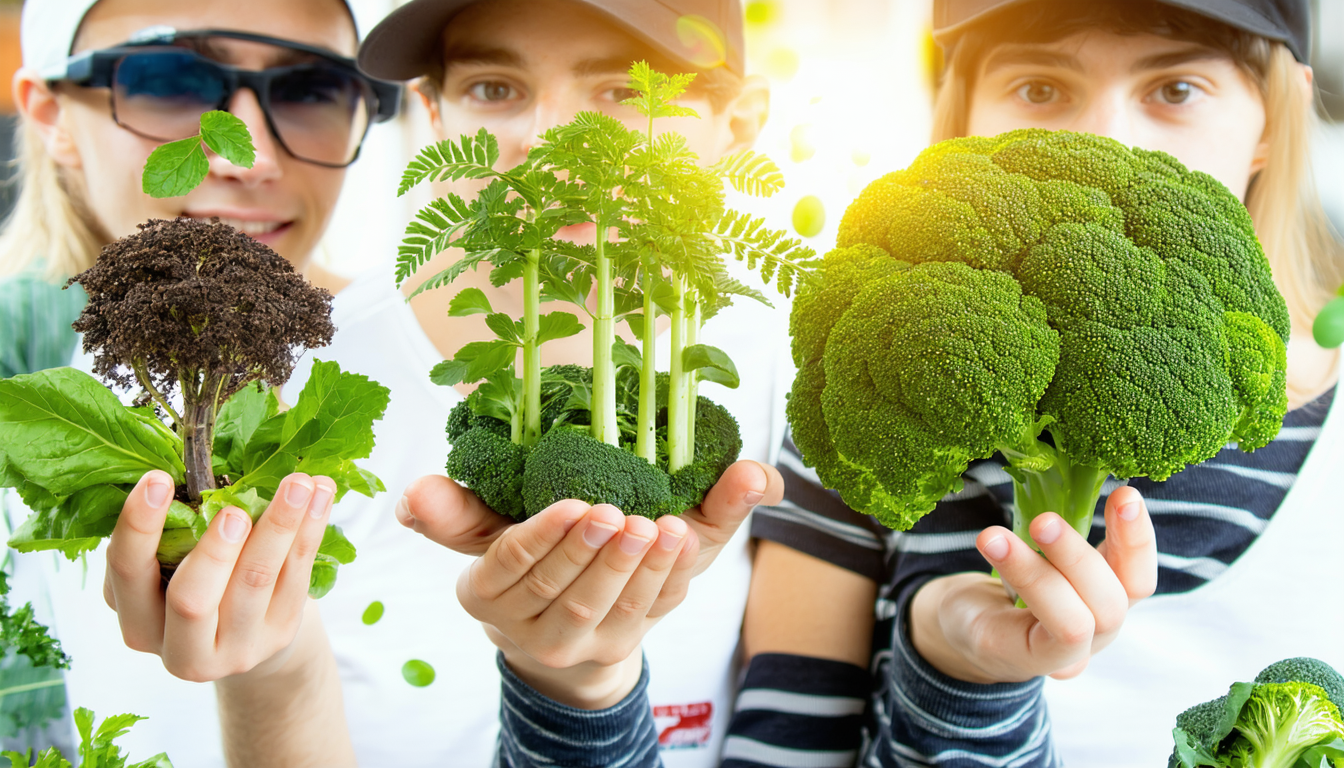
176	168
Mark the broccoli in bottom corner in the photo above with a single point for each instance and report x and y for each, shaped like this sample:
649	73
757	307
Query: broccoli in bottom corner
1288	718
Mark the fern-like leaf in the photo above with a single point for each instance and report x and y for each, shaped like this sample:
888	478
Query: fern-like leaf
750	173
471	157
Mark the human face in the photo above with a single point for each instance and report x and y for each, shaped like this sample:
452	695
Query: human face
520	67
283	202
1189	101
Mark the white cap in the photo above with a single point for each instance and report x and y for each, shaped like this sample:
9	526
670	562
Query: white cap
48	30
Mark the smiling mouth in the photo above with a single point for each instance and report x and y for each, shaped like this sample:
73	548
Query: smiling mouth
252	228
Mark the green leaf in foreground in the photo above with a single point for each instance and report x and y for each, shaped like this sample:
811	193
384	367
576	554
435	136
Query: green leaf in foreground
19	631
713	363
373	613
335	550
227	136
175	168
418	673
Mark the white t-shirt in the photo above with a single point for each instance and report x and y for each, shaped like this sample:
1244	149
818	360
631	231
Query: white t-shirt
453	721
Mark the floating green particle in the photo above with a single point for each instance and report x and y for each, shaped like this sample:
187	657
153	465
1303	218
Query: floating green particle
1329	325
860	157
800	143
418	673
781	64
373	613
809	216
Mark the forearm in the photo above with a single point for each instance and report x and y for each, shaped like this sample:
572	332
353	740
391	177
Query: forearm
290	716
533	726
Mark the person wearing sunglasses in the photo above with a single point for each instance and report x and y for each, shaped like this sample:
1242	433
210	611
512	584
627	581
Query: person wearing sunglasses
103	83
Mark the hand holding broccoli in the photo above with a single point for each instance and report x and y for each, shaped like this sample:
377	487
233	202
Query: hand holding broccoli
236	601
1077	597
570	593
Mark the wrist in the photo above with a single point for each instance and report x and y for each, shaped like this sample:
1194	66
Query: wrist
588	685
928	637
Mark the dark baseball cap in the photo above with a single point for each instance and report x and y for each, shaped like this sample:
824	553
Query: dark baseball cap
1287	21
699	33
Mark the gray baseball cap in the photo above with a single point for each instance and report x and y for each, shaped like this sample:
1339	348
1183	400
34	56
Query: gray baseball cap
1287	21
406	43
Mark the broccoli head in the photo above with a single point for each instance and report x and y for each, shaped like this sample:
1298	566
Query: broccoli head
572	464
1034	281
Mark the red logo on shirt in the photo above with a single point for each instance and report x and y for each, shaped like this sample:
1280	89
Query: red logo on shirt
683	725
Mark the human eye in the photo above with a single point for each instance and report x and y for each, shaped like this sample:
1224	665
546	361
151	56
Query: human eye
622	93
1038	92
492	92
1177	92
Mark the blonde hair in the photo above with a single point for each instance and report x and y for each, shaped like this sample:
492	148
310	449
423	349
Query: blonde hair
50	220
1304	253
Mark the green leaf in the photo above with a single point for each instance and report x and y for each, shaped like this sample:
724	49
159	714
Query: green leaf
418	673
215	500
469	301
485	359
238	420
333	417
84	725
227	136
115	727
336	546
449	373
1237	696
750	173
1191	753
347	475
75	524
175	168
158	761
713	363
18	759
625	355
504	327
373	613
499	397
636	323
557	325
76	434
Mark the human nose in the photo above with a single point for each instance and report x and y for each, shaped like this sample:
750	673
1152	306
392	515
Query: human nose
266	165
547	112
1108	114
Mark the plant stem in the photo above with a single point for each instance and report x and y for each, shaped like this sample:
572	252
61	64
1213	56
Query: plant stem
692	338
142	375
1069	490
678	393
531	428
646	442
31	686
605	427
198	436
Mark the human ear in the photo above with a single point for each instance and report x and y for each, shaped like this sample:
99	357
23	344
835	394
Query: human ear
39	106
429	97
747	114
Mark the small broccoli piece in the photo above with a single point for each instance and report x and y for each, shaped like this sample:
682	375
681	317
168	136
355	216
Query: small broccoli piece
492	466
1201	726
717	445
1304	669
1281	721
461	421
571	464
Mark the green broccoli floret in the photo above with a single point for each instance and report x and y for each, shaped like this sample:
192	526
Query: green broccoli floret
491	465
1036	281
572	464
717	445
1304	669
1281	721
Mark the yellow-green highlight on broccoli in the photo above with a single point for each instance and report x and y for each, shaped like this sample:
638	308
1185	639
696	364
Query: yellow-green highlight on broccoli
1035	282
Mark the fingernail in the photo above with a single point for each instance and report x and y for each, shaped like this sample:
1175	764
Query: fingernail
234	529
633	545
570	523
996	548
1049	532
299	492
1130	511
597	534
321	498
404	513
668	542
157	492
752	498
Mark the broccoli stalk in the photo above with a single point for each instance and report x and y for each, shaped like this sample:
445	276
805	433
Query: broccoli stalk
531	406
604	336
1069	490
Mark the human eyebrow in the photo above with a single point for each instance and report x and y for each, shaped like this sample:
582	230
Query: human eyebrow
223	54
1176	58
504	57
1010	56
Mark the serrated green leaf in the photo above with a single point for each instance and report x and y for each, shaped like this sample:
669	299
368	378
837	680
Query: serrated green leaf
449	373
469	301
227	137
175	168
485	359
504	327
557	325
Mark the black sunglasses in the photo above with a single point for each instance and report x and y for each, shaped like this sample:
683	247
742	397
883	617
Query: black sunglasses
319	110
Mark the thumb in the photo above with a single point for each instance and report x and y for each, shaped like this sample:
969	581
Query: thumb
448	514
741	488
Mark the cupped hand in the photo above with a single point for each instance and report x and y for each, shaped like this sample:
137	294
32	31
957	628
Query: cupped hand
235	603
1077	597
570	593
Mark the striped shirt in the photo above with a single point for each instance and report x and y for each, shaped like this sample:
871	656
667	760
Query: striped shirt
799	712
35	318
